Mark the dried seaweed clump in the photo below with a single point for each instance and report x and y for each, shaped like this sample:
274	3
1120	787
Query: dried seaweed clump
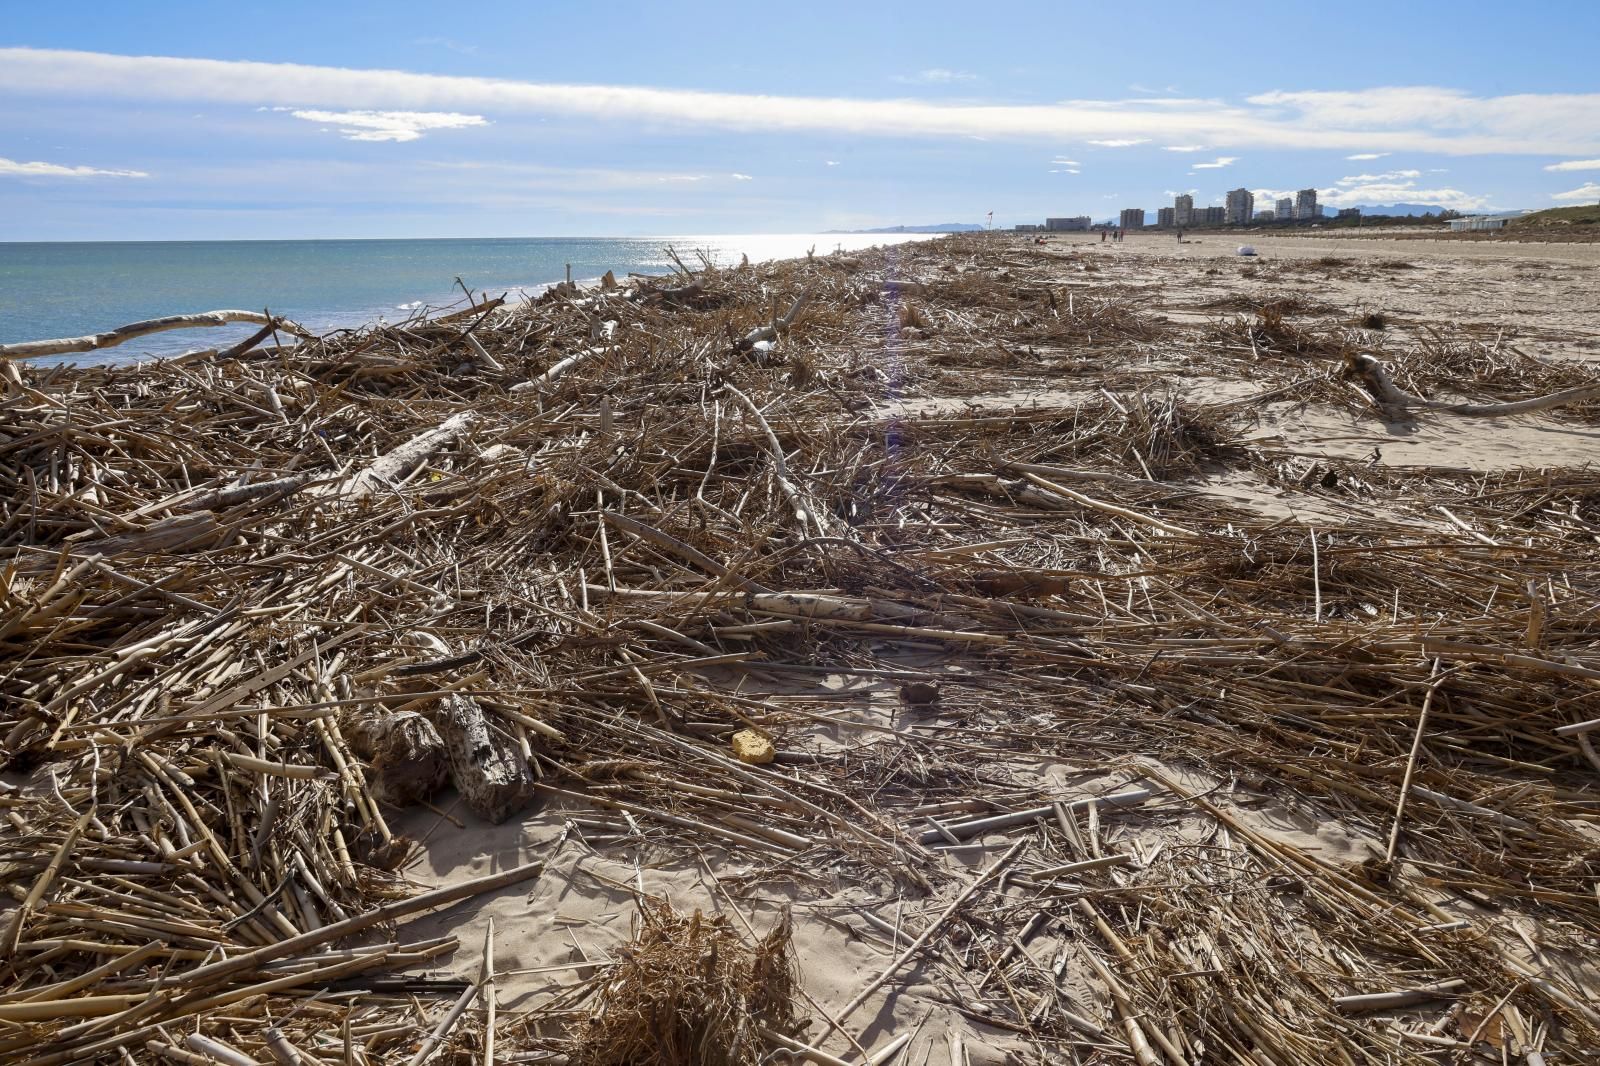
688	991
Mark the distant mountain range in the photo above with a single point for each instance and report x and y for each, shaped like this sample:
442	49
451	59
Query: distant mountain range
943	227
1402	209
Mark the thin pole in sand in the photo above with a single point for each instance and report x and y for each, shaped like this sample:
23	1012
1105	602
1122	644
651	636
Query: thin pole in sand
1411	762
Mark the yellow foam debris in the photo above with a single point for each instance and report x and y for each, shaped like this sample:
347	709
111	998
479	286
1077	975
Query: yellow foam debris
752	747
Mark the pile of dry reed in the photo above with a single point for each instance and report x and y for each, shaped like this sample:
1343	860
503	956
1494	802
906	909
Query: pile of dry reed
690	991
561	552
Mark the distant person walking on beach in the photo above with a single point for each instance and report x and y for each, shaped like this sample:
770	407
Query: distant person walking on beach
1102	236
1180	236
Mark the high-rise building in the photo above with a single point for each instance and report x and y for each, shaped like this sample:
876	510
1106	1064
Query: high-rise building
1305	205
1210	216
1166	217
1183	210
1266	214
1241	207
1077	222
1132	218
1286	209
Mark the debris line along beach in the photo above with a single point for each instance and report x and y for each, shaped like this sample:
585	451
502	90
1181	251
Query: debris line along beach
965	651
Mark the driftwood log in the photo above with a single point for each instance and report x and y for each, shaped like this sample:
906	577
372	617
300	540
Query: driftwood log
134	330
409	759
486	765
1395	402
234	495
393	466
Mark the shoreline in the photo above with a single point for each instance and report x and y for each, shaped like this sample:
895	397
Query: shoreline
1035	639
71	289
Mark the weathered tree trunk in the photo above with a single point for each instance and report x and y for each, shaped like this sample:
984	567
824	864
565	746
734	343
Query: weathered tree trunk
409	759
1396	402
111	338
486	766
393	465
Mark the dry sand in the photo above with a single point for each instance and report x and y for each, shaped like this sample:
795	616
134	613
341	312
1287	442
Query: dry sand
1546	297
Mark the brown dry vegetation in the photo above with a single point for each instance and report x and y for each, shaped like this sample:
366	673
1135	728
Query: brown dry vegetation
619	569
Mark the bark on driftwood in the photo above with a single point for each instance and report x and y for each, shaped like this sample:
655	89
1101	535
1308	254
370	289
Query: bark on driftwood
409	759
486	765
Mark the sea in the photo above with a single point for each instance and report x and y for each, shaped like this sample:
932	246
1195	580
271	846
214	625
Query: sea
78	288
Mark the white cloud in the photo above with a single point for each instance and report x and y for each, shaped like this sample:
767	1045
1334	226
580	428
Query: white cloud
1187	192
1059	162
1467	124
1394	186
1220	162
388	125
1388	175
1364	156
1065	170
741	177
830	162
11	168
936	76
1271	194
1576	164
1125	142
1405	191
1581	194
521	176
1184	147
1390	119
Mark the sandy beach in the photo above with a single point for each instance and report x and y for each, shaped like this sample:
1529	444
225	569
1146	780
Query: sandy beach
1166	656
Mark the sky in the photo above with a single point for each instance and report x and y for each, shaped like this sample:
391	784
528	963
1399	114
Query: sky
191	121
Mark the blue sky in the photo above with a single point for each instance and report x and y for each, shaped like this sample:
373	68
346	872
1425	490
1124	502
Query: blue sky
230	121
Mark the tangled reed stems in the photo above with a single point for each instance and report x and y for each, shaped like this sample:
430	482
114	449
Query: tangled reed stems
559	553
690	991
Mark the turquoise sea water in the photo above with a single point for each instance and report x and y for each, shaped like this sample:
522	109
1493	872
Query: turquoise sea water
71	289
